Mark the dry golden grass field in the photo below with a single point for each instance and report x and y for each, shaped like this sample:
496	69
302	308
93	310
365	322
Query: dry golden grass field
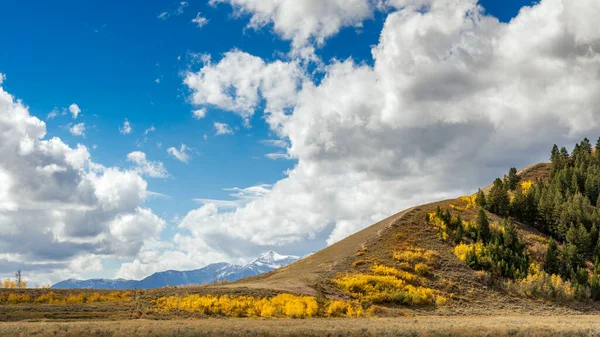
403	326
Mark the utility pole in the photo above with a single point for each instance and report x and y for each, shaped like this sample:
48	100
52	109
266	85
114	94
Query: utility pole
19	279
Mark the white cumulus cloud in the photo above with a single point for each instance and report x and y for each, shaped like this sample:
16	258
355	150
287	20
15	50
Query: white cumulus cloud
77	129
200	21
304	22
60	212
152	169
199	113
74	110
182	154
126	128
222	129
239	81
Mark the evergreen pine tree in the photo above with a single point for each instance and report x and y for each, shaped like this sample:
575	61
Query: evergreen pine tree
551	262
447	217
593	237
591	184
512	179
564	155
555	154
510	237
518	205
574	188
457	221
460	233
579	237
498	200
582	276
483	226
576	151
586	146
595	287
480	199
597	248
571	261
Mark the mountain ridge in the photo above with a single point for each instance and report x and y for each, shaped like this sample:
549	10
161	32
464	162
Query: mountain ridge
220	271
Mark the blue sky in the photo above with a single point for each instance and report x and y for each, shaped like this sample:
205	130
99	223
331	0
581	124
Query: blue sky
105	57
107	61
122	61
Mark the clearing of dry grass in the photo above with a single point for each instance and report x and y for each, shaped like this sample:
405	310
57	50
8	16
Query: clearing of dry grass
403	326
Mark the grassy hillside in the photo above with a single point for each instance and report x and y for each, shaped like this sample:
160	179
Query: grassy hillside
465	291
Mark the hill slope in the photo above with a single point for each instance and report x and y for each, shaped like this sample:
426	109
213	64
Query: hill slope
467	291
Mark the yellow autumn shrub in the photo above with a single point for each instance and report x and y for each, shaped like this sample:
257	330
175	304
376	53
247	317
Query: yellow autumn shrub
339	308
384	289
416	255
9	284
457	208
462	250
439	225
75	298
50	297
18	298
421	269
526	186
540	284
358	263
470	201
296	306
283	305
469	226
441	300
400	274
404	266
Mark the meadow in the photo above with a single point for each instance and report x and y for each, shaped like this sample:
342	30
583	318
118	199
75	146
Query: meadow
331	327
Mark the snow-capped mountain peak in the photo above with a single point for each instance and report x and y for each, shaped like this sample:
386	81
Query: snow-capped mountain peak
272	257
272	260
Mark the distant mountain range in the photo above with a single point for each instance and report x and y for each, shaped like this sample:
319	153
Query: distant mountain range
214	272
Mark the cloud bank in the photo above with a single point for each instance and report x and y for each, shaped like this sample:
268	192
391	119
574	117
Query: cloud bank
60	212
